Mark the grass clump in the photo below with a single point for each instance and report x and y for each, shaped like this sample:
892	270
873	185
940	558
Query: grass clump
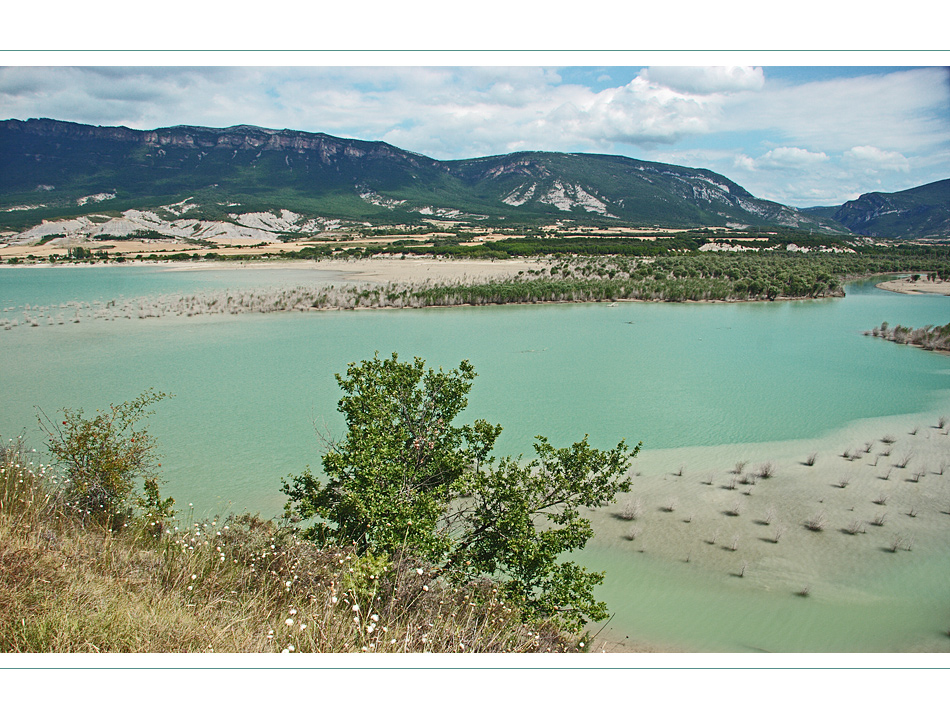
855	527
630	510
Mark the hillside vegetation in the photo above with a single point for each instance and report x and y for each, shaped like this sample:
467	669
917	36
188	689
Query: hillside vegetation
94	559
920	212
48	166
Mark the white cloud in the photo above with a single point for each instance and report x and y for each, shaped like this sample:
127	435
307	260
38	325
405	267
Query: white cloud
538	112
743	162
874	158
706	80
790	158
905	110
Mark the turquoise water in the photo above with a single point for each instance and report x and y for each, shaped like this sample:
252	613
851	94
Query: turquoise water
250	390
52	285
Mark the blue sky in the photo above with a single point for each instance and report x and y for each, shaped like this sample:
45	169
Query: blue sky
800	135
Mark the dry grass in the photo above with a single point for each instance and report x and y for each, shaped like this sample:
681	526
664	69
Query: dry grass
855	527
236	585
630	510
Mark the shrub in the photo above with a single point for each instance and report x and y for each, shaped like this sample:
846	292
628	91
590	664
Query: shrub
103	460
631	510
855	527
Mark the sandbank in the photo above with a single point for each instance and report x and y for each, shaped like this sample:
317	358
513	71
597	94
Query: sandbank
907	286
390	269
863	524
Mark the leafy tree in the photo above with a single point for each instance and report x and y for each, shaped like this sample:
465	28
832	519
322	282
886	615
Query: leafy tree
390	478
406	480
103	458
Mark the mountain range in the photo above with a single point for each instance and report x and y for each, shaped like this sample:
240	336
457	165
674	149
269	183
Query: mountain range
918	213
55	169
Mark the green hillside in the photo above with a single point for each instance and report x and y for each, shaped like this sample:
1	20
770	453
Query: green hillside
918	213
47	167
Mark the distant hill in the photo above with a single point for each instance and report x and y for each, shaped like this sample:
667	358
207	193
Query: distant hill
53	169
918	213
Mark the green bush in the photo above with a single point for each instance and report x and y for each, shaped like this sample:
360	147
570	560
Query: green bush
104	458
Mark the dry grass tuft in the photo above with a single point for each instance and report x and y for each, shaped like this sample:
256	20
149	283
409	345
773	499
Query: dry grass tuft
630	510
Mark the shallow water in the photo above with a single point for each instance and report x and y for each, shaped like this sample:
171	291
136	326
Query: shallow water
675	605
249	391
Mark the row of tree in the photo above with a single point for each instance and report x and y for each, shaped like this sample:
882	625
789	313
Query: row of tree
928	337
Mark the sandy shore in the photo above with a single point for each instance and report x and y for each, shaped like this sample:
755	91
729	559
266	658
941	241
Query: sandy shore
332	286
373	269
907	286
834	515
388	269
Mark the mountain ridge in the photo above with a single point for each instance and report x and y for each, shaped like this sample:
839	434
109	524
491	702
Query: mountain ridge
49	168
921	212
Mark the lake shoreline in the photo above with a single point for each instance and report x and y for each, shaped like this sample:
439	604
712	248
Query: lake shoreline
360	284
907	286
